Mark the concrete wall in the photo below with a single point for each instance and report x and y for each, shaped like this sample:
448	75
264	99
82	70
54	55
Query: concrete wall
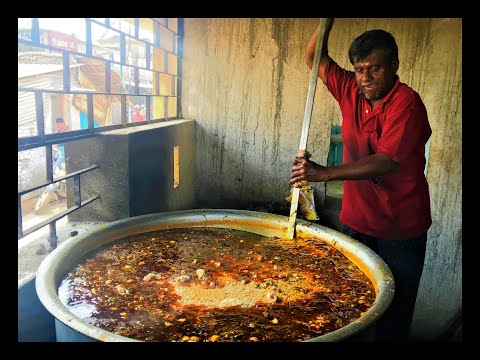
135	174
245	83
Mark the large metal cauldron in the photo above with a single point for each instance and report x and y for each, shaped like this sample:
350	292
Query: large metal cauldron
66	256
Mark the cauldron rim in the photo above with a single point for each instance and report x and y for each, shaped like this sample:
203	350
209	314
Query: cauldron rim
61	260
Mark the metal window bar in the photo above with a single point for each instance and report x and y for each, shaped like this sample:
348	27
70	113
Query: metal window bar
53	219
88	37
148	56
179	67
147	107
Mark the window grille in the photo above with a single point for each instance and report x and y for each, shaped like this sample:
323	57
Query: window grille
96	74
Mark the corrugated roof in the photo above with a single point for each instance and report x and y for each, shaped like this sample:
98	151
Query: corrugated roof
31	63
25	70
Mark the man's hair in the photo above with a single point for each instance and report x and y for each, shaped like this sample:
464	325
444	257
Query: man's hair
59	120
370	40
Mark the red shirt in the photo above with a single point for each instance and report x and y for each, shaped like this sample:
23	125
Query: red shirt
138	117
396	206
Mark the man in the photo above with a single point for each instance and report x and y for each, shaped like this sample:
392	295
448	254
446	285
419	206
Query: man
137	115
59	149
61	126
386	203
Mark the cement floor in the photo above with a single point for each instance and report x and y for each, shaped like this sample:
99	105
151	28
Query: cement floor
33	248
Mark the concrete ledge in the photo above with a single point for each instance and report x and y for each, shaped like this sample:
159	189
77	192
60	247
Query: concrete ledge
137	170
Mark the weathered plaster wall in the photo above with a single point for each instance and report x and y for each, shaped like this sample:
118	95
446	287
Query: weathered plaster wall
245	83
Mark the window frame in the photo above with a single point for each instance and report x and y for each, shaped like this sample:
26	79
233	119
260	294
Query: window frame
41	139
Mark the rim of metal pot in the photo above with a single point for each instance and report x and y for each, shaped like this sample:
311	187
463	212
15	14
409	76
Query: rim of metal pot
59	261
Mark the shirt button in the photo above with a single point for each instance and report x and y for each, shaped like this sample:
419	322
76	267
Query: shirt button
366	111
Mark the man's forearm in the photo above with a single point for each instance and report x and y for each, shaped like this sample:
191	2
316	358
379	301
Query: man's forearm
310	50
370	167
324	57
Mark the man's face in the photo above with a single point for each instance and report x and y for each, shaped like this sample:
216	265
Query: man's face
375	75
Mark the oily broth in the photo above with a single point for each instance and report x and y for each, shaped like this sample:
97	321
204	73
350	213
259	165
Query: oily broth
207	284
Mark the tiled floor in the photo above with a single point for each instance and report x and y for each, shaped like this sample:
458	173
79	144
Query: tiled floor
335	188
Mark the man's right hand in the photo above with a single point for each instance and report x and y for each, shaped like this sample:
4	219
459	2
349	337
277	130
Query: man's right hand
304	169
329	25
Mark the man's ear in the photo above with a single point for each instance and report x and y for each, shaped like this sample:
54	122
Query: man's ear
395	64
